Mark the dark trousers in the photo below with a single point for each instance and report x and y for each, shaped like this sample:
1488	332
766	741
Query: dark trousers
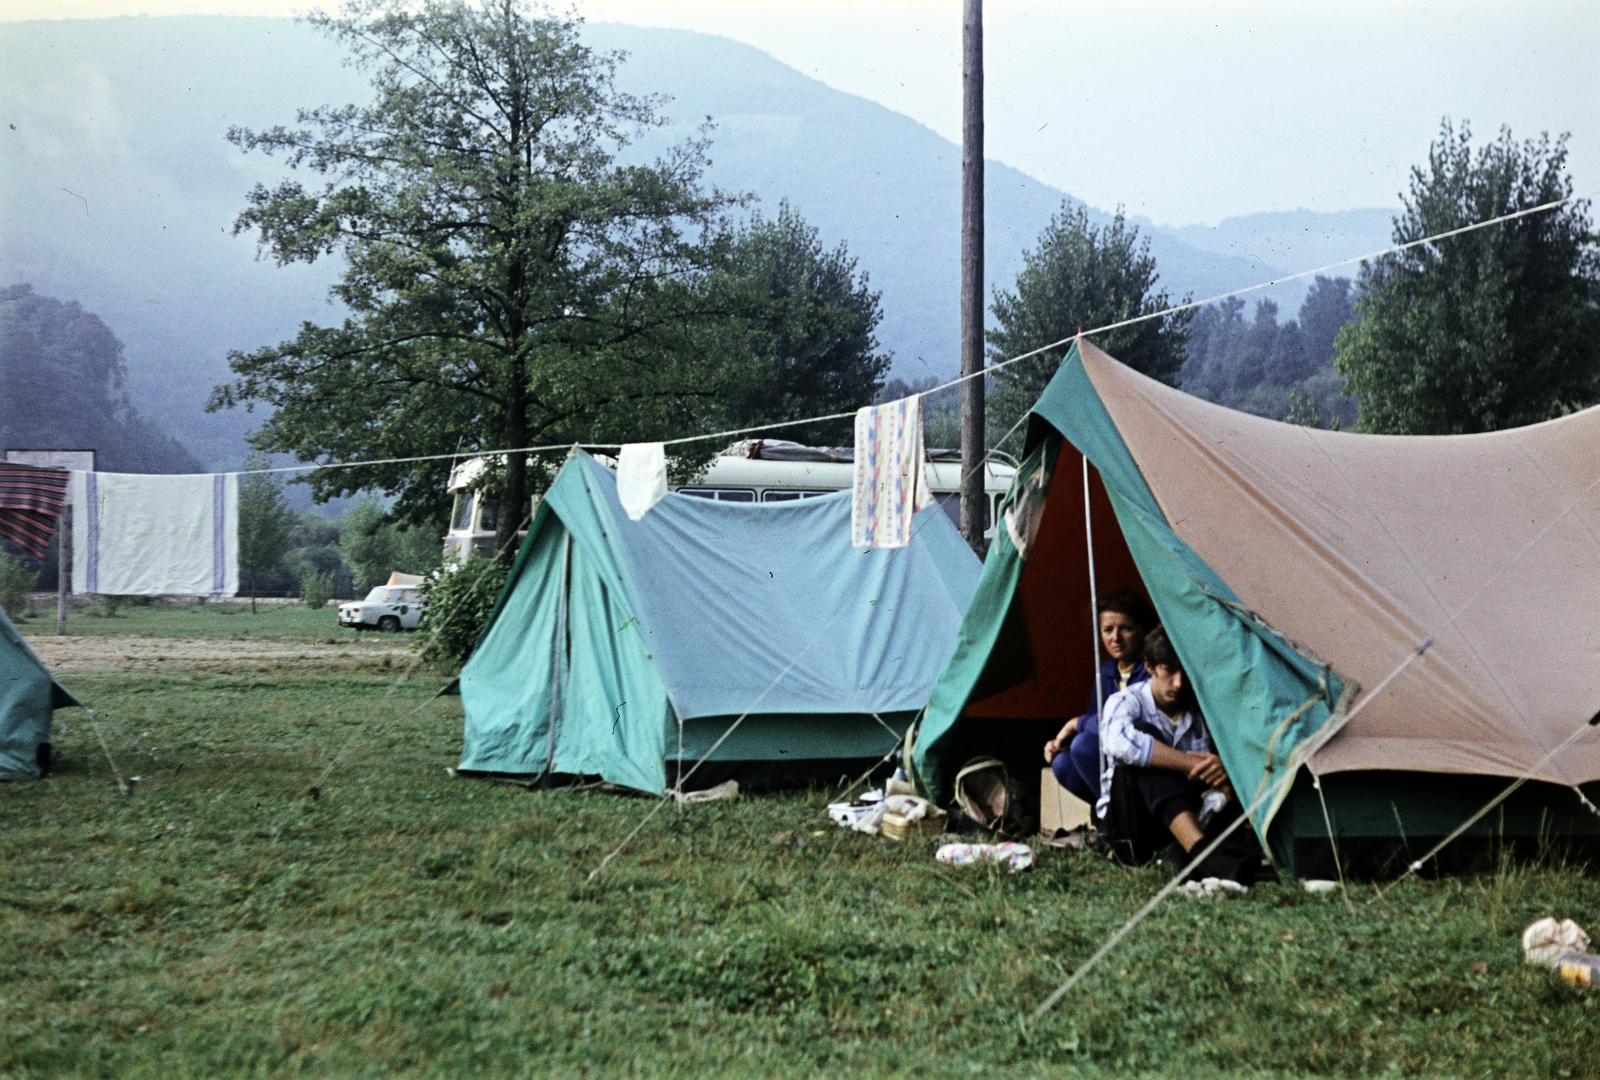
1144	803
1077	768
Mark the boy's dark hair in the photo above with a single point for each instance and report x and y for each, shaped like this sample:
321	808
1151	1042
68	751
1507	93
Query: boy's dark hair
1158	651
1129	603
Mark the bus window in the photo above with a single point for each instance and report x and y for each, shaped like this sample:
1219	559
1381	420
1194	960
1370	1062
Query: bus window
461	518
489	515
777	495
950	502
738	495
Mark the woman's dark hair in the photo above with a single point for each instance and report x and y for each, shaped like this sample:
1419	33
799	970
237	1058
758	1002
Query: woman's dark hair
1158	651
1129	603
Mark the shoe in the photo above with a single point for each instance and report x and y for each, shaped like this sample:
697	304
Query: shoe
1211	804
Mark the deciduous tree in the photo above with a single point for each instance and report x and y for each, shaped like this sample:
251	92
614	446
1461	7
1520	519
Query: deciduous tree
1081	276
807	320
512	279
265	521
1490	329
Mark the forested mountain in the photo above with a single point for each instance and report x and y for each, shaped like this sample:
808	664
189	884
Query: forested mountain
118	190
1280	371
64	386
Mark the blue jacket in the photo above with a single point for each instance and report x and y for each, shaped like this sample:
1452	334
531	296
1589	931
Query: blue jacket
1110	677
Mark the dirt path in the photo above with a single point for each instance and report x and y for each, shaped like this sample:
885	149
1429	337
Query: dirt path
132	653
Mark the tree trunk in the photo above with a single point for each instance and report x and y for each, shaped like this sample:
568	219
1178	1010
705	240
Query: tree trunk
514	496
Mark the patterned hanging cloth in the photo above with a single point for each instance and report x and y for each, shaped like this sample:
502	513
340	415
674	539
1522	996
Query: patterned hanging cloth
30	505
891	480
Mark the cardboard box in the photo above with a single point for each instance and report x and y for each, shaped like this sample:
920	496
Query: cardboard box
1058	807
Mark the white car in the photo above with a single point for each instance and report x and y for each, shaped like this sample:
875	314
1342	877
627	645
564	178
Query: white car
387	607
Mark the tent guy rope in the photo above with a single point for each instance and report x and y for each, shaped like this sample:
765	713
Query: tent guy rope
1107	328
667	796
1510	788
1318	741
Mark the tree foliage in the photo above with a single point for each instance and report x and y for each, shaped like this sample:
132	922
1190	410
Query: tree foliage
1490	329
806	319
63	385
1275	370
265	522
460	600
373	546
1081	276
511	279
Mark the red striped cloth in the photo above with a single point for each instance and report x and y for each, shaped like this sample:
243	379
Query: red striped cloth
30	505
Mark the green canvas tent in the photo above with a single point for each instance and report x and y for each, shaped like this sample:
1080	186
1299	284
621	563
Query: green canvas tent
1297	571
28	698
620	648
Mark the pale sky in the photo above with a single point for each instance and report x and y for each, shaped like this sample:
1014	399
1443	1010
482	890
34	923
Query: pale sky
1182	113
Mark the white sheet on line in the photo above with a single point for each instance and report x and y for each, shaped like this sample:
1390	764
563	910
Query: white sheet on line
641	477
143	535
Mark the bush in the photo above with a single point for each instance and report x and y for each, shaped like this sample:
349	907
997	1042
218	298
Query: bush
460	600
316	589
108	604
16	582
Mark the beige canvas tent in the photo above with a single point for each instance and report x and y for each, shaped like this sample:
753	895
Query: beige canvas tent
1296	570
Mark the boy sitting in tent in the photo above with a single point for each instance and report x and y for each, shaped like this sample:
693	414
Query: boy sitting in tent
1074	754
1161	781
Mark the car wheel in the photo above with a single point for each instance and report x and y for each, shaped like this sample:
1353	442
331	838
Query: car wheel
389	624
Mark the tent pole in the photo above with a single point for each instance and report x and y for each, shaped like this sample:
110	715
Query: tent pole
559	652
63	567
1094	599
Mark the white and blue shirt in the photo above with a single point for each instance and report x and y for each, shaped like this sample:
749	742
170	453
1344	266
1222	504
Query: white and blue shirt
1131	727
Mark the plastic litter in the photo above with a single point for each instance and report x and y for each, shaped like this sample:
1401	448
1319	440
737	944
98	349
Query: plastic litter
1018	857
728	790
1547	941
1319	885
1214	888
1579	969
899	784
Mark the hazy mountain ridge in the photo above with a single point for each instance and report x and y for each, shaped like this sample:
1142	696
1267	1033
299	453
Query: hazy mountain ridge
118	190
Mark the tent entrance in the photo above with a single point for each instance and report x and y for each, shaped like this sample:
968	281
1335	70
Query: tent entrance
1044	662
1041	667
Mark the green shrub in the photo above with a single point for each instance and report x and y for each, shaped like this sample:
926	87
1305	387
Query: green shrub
108	604
16	582
460	600
316	589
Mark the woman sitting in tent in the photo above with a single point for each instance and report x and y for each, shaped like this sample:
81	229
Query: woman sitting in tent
1163	781
1074	754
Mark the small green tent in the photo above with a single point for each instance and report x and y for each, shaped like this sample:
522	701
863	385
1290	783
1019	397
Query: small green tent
1297	571
28	697
621	648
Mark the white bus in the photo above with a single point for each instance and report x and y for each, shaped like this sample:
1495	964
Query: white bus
752	471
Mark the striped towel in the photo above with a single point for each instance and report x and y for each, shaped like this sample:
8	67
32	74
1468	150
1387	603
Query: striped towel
30	505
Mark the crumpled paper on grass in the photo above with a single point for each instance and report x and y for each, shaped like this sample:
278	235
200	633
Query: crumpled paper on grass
1547	941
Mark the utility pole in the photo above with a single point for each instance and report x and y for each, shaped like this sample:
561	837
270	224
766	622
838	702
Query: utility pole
972	448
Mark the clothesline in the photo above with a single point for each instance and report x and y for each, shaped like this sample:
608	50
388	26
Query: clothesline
1107	328
998	365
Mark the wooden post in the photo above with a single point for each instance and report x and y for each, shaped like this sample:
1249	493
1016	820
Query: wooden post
972	447
63	567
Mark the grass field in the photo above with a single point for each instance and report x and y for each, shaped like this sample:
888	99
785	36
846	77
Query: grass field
228	619
220	922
